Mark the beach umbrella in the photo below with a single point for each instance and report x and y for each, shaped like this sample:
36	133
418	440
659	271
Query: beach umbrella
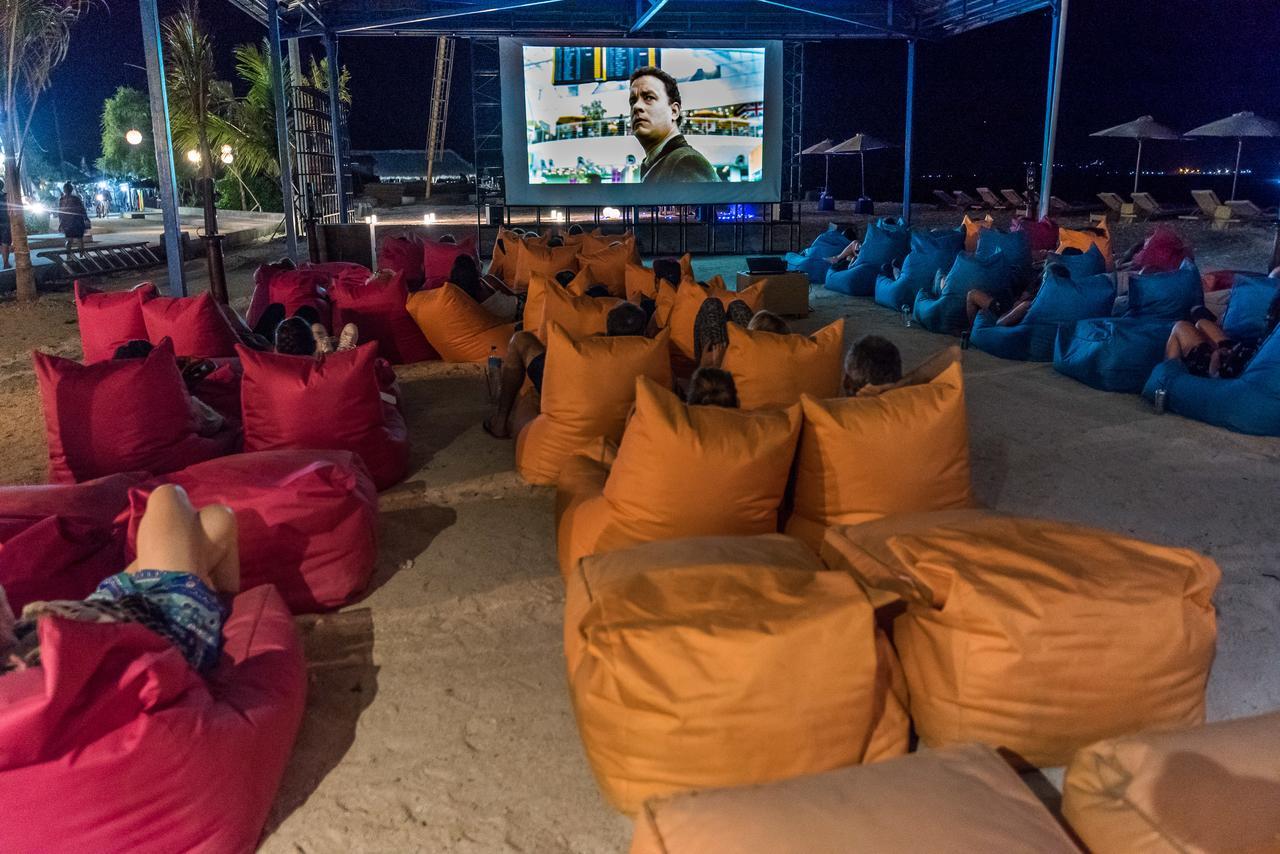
1237	127
860	143
1140	129
823	147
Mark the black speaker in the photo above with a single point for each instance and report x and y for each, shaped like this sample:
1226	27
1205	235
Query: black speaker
495	214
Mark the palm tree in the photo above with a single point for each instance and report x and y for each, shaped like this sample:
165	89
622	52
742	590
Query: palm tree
34	37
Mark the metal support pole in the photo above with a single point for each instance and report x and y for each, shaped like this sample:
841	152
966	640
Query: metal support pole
1057	46
908	131
282	128
335	122
163	137
1137	167
1235	178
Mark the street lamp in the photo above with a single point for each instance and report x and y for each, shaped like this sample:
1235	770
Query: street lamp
193	155
228	155
133	137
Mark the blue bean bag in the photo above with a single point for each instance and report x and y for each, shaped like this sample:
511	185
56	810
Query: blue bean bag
1168	296
813	261
1246	315
1085	264
931	251
1015	248
1250	403
887	243
942	309
1059	301
1111	353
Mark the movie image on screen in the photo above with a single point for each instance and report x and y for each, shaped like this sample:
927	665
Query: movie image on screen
686	123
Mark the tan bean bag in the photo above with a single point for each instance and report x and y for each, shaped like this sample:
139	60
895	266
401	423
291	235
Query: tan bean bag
722	661
1039	637
639	281
578	316
537	259
956	799
772	371
1210	789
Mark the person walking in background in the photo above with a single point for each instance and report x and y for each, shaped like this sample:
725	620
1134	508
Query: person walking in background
73	219
6	235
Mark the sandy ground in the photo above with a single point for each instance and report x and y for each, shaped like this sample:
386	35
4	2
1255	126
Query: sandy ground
438	718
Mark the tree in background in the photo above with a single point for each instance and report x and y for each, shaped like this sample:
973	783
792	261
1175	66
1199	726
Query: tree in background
34	37
128	109
195	93
318	78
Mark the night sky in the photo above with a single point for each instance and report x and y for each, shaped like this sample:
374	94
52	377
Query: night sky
980	96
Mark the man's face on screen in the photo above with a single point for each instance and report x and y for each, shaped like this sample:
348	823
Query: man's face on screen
653	116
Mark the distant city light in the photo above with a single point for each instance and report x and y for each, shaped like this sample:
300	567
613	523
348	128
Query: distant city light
133	136
428	219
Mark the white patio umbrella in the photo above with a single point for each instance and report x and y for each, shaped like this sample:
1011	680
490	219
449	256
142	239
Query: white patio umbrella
823	147
860	144
1238	126
1141	129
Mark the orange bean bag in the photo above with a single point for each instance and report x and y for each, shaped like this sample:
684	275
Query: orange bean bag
606	266
722	661
954	799
639	282
689	298
579	316
506	248
1039	637
588	389
1082	240
972	228
1213	788
860	458
772	371
681	471
457	327
535	259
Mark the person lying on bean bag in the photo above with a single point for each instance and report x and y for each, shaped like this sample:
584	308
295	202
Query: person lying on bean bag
187	560
527	356
711	330
1207	351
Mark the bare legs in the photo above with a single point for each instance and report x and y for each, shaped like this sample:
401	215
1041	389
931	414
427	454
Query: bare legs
976	301
174	536
1185	337
523	349
847	254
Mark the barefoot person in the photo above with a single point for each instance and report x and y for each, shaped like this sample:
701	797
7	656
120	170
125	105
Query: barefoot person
1205	349
187	560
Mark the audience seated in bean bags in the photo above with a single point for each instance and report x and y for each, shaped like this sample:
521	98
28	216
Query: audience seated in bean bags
377	308
941	307
963	798
931	251
1029	331
334	404
724	661
606	265
115	743
578	316
773	371
887	243
57	541
292	288
438	257
196	326
122	416
865	457
457	327
1033	636
402	253
539	258
108	320
587	391
1211	788
1229	377
815	261
687	302
681	471
308	520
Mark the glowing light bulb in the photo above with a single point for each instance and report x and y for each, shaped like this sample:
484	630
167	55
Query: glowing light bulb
133	136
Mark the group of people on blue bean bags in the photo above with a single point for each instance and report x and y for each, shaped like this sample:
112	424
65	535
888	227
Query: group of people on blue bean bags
1158	338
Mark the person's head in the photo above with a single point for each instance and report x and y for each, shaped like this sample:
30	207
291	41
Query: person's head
68	188
464	272
564	277
666	270
576	229
849	233
712	387
1058	271
1070	250
597	291
136	349
294	337
767	321
285	263
556	240
450	239
625	318
871	361
655	105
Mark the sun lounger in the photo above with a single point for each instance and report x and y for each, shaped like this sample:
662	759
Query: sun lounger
946	201
1058	206
1013	198
1211	209
964	200
1117	205
1151	209
991	199
1248	211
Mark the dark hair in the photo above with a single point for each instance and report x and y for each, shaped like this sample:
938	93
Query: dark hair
1058	270
668	82
767	321
667	269
466	275
597	291
712	387
1068	251
873	361
285	263
449	238
68	188
576	229
555	240
564	277
849	232
135	349
625	319
294	337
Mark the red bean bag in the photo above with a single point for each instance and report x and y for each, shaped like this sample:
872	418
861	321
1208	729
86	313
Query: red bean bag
109	320
438	259
1163	252
295	289
100	500
118	416
261	296
331	404
308	520
221	389
1042	234
116	744
402	253
195	325
377	308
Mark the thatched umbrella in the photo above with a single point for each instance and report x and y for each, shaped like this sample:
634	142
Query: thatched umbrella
1141	129
1237	126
